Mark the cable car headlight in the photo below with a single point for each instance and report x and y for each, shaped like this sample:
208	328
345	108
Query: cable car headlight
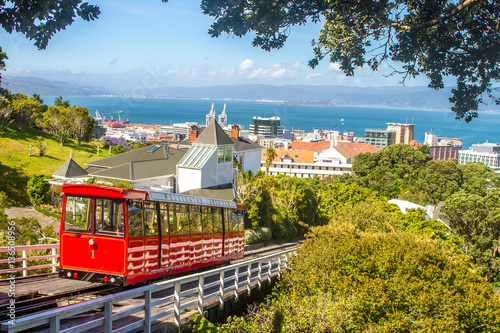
68	274
91	242
112	280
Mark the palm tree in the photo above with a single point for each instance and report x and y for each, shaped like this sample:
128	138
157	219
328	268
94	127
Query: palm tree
271	154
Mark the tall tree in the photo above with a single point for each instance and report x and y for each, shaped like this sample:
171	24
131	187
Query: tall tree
55	122
440	179
435	38
80	122
477	220
40	20
271	154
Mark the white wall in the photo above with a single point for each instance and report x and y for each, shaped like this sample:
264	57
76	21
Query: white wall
250	161
188	179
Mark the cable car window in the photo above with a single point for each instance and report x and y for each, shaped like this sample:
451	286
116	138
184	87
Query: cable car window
242	220
164	218
234	220
150	219
182	219
135	220
227	218
109	217
207	221
174	225
217	215
195	219
78	214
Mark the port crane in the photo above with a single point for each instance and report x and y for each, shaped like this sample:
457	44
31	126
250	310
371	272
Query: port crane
337	123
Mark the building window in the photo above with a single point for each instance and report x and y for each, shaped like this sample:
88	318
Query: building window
220	155
229	154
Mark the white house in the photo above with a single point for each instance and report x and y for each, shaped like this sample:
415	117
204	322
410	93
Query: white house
209	161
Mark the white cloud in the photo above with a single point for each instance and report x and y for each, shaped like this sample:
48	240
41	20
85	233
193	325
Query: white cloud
246	65
334	67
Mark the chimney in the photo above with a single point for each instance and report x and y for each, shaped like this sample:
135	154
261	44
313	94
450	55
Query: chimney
235	131
193	133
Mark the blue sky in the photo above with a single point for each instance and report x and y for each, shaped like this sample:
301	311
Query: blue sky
149	44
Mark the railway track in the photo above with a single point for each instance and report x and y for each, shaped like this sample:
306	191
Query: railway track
38	303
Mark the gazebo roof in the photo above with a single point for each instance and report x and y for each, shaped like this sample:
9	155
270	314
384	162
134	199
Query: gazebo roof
70	169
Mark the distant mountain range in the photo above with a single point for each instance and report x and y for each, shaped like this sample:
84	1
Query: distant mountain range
393	96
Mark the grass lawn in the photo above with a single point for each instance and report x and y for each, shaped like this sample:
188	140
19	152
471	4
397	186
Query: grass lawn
16	166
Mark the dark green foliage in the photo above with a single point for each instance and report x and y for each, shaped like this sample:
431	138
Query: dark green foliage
476	220
37	189
40	20
437	39
478	178
390	170
440	179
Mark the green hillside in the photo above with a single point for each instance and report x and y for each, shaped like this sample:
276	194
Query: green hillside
16	166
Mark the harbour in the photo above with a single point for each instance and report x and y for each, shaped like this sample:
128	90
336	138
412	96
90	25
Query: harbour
159	111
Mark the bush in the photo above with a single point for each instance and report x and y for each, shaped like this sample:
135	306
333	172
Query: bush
260	234
37	189
202	325
117	145
264	233
49	210
344	279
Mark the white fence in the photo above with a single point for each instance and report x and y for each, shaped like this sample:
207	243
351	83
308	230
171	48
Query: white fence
159	300
24	258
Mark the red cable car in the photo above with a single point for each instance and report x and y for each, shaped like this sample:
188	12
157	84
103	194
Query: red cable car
122	236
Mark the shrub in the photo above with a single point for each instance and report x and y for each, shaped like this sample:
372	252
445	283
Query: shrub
264	233
344	279
37	189
49	210
41	145
117	145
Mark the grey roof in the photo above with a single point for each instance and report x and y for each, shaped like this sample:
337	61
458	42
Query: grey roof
138	170
70	169
140	154
213	135
243	144
132	170
222	192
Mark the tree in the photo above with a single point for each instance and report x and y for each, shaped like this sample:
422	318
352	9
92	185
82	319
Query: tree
437	39
271	154
81	123
390	170
59	102
477	220
40	20
439	180
25	110
478	178
5	117
55	122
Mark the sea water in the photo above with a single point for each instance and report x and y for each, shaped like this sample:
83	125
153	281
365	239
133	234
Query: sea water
165	111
